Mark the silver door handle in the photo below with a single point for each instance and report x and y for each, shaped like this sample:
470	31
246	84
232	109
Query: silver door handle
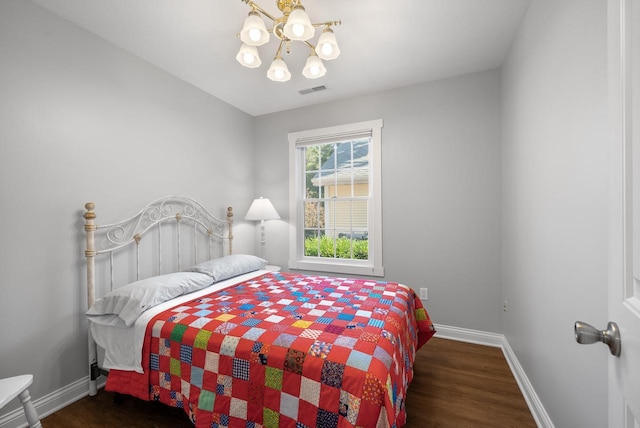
587	334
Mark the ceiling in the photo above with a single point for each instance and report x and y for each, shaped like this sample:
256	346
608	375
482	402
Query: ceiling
384	44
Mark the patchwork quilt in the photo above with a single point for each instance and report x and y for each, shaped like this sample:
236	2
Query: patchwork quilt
285	350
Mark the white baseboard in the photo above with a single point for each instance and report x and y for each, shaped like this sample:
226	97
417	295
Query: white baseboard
469	336
538	411
48	404
533	401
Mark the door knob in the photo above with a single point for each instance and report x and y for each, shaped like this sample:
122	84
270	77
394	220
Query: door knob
587	334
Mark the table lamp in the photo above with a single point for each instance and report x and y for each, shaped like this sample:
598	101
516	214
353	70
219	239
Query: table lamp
261	209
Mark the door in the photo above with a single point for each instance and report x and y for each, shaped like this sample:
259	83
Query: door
624	251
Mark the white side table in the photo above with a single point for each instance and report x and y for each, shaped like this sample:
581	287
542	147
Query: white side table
272	268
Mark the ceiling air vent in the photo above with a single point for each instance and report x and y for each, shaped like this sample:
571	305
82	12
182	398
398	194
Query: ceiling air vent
314	89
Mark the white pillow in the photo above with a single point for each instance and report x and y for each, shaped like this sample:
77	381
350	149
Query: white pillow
229	266
123	306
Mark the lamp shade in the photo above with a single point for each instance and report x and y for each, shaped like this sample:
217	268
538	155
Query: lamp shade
314	67
248	56
261	209
254	32
279	72
327	45
298	26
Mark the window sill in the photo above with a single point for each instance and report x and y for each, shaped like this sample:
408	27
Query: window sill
341	268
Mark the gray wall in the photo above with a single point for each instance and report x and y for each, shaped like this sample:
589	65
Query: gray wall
81	120
441	174
555	204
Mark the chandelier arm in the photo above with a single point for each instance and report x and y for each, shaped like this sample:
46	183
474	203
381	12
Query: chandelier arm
279	51
327	23
259	9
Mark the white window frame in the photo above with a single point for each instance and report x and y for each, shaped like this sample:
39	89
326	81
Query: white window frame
297	260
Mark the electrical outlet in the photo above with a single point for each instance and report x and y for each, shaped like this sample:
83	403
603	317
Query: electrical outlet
424	294
505	307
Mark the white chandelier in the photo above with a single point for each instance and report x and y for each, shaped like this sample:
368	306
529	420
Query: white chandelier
293	25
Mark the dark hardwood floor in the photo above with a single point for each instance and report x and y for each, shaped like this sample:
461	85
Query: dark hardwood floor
461	385
456	384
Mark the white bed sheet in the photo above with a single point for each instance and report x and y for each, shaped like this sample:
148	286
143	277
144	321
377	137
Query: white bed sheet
123	346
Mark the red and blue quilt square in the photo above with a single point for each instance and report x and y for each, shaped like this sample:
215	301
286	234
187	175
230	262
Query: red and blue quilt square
326	419
332	373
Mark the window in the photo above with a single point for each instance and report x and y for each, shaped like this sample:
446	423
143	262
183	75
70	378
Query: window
335	201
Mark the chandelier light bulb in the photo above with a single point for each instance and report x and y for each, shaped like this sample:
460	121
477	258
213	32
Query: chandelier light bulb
278	72
327	45
254	35
314	67
298	26
254	32
327	49
298	30
248	56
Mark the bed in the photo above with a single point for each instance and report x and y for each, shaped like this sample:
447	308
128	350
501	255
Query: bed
195	326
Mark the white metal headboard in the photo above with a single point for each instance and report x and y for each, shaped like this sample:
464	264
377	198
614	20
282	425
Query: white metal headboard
111	238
